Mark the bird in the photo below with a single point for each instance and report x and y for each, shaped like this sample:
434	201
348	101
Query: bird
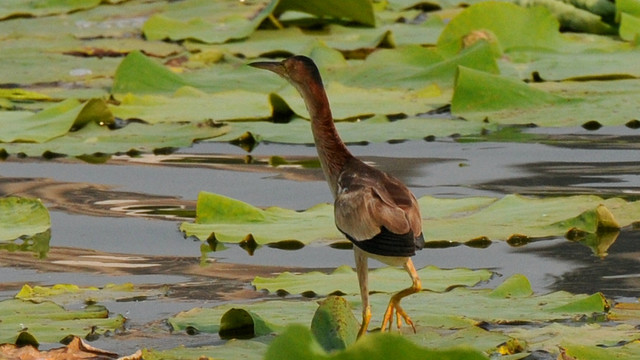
373	209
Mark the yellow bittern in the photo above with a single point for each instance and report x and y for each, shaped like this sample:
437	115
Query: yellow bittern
373	209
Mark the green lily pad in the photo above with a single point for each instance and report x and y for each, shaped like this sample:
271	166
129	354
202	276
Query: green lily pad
276	315
228	219
44	8
374	129
333	324
572	18
50	323
498	219
191	105
22	217
512	26
357	10
70	293
54	121
136	137
629	350
297	342
231	350
477	91
387	279
38	244
211	22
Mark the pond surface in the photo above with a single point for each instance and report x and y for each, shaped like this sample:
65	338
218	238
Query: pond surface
118	221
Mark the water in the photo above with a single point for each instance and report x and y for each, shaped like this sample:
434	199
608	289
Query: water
129	210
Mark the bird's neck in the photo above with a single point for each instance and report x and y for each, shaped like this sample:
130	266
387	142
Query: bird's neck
332	152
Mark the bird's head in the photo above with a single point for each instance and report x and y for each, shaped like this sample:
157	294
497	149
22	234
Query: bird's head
297	69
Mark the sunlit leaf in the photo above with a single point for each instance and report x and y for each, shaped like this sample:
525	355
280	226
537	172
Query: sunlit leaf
231	350
44	7
22	216
496	219
136	137
297	342
207	21
375	129
344	280
49	322
357	10
70	293
572	18
512	26
333	324
477	91
188	104
629	17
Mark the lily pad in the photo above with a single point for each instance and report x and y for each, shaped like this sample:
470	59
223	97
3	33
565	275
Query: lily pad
374	129
136	137
387	279
297	342
49	322
54	121
357	10
70	293
211	22
22	217
512	26
498	219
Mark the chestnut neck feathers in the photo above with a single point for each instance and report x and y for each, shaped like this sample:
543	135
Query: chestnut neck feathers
303	74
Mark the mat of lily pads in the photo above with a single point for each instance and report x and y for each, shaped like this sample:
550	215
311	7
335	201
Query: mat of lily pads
514	320
185	62
456	220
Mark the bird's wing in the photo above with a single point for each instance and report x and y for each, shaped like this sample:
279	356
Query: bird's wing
378	213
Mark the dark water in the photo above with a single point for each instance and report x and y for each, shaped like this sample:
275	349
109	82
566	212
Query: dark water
130	209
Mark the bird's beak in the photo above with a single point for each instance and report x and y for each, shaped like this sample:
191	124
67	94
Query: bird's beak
275	66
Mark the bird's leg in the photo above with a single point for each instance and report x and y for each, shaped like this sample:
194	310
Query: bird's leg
363	275
394	303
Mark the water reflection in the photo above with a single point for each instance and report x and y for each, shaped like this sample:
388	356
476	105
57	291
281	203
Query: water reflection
616	275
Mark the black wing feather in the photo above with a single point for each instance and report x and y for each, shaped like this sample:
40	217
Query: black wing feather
387	243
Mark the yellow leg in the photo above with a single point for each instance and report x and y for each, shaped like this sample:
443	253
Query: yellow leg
394	303
366	318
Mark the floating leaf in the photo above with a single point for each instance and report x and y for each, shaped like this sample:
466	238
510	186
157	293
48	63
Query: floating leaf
477	91
22	216
49	322
297	342
513	26
333	324
357	10
242	324
211	22
228	219
137	137
473	218
70	293
387	279
374	129
231	350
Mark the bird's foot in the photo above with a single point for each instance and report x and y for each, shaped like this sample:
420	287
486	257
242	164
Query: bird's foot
366	318
387	321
